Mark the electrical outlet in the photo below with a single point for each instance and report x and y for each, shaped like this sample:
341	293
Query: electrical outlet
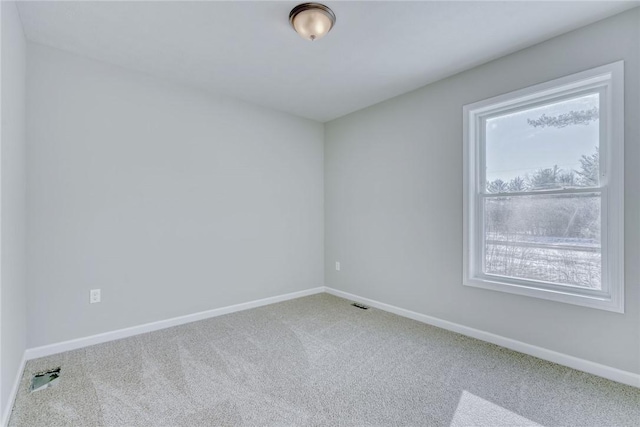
337	265
94	296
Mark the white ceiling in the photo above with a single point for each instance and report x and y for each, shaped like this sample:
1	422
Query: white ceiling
247	50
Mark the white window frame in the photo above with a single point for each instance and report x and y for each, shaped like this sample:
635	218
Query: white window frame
608	80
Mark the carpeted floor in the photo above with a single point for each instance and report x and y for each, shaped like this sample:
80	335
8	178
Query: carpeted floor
315	361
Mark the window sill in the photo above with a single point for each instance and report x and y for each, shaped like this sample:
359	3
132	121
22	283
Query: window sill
568	296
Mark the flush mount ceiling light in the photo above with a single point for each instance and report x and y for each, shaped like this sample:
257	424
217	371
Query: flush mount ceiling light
312	20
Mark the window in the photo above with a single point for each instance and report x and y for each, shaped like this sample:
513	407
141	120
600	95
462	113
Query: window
543	196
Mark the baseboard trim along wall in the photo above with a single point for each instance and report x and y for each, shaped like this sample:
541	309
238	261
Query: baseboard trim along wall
604	371
14	392
47	350
598	369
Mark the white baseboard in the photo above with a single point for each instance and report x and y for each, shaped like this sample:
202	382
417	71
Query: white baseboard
598	369
47	350
604	371
14	392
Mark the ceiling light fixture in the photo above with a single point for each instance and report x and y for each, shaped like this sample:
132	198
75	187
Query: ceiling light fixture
312	20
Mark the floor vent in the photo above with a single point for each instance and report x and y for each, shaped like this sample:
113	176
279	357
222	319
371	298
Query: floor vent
45	379
360	306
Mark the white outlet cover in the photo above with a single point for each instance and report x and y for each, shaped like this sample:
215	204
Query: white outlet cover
94	296
337	266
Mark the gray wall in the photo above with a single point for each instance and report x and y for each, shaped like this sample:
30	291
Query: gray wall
393	201
12	208
169	200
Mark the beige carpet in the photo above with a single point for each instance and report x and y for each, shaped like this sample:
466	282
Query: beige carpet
315	361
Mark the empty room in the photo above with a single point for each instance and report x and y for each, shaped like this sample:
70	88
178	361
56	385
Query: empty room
354	213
